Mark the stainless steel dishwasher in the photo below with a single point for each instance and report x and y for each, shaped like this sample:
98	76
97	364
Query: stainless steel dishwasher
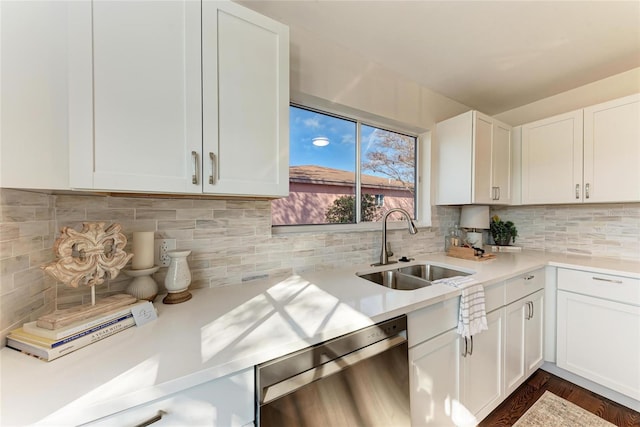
358	379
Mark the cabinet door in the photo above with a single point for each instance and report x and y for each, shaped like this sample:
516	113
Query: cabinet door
552	160
33	136
482	389
612	151
514	358
245	101
482	186
147	132
534	333
600	340
501	164
435	382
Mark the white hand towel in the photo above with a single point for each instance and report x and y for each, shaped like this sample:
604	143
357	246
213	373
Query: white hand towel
472	317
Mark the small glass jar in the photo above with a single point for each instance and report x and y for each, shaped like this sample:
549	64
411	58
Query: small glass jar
453	238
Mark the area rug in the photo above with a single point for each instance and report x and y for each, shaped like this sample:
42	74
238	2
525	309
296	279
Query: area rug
551	410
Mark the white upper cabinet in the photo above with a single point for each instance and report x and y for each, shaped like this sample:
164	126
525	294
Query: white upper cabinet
612	151
552	160
146	98
188	97
587	155
246	101
33	136
474	160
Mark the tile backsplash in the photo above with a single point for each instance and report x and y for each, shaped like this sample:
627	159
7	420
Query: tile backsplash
604	230
230	240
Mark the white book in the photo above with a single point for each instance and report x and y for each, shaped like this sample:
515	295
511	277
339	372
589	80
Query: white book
79	326
49	354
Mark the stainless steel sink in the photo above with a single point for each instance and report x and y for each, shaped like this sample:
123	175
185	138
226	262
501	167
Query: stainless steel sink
431	272
396	280
411	277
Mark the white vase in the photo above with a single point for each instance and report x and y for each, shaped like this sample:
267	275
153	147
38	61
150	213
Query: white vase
178	277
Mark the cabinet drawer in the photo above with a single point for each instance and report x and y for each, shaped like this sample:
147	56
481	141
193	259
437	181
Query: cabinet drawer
607	286
493	296
227	401
433	320
436	319
523	285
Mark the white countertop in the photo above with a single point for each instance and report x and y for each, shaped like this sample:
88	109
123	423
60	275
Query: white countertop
223	330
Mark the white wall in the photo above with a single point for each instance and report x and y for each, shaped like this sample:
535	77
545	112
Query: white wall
613	87
339	75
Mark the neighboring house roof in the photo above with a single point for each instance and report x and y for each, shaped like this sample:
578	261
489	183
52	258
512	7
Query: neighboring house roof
309	174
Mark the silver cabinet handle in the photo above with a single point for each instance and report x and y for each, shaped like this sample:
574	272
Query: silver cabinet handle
152	420
532	313
464	353
529	277
212	177
577	191
494	193
602	279
471	350
498	188
529	315
194	177
586	190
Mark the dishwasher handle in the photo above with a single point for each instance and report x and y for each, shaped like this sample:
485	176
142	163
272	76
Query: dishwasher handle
275	391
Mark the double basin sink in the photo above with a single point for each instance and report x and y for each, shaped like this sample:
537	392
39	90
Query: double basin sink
411	277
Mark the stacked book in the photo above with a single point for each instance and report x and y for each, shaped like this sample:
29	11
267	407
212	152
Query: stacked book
49	344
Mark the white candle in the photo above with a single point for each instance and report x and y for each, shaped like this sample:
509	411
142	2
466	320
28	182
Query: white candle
142	250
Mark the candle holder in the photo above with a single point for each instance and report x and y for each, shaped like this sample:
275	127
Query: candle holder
143	286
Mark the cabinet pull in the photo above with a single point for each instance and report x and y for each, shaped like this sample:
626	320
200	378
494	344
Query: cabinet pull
498	190
586	190
602	279
529	277
194	177
529	315
464	353
532	313
212	177
471	350
577	191
152	420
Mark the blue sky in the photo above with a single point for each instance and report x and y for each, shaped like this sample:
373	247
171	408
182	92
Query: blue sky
339	154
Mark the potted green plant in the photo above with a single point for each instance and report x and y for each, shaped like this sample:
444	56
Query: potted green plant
502	232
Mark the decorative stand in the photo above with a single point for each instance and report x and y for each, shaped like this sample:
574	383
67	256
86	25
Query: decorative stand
178	278
143	285
86	258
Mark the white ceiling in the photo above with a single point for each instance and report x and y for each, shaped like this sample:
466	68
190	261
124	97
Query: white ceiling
489	55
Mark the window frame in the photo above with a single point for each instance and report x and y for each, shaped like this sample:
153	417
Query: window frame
422	205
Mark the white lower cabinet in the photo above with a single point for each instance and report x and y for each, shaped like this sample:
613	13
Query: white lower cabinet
598	329
456	381
524	330
435	381
227	401
482	389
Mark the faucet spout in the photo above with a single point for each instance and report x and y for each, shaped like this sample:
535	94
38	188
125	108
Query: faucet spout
384	253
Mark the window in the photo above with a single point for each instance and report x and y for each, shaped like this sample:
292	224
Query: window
344	171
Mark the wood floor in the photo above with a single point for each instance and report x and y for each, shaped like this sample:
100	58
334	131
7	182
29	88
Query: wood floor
525	396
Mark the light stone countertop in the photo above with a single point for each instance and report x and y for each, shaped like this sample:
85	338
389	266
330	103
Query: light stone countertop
223	330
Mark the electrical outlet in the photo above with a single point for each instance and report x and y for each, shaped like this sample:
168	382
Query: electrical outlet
162	246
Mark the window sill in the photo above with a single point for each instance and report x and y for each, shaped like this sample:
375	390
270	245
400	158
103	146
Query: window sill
342	228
